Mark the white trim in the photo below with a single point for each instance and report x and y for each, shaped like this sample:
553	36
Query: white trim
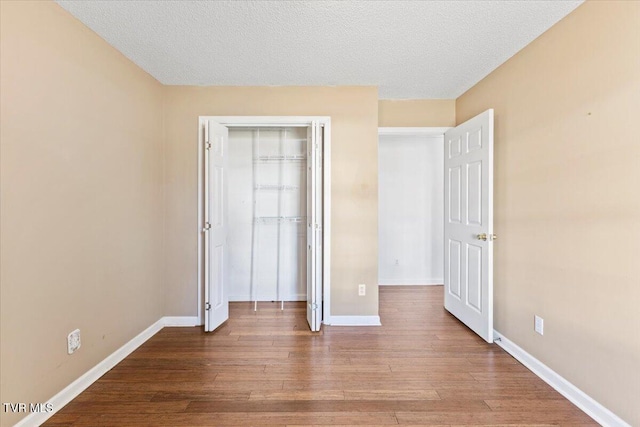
176	321
200	179
413	131
353	321
326	222
576	396
71	391
266	121
413	282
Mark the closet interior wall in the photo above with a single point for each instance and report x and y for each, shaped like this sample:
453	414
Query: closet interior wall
267	214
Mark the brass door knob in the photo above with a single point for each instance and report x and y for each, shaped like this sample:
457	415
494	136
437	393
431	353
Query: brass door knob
482	236
494	237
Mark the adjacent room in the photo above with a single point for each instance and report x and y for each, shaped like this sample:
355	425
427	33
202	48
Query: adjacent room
296	213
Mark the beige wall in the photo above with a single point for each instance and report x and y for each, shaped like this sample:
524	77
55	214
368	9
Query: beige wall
416	112
354	175
81	189
567	199
84	192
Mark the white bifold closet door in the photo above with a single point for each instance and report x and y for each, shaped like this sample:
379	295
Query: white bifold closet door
468	227
215	227
314	226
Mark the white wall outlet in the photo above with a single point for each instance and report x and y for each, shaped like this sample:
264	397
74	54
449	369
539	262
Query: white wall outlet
362	290
538	324
73	341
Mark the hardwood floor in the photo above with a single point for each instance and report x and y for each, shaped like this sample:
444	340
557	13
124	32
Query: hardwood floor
422	367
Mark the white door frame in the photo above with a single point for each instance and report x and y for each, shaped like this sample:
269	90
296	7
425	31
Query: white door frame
274	121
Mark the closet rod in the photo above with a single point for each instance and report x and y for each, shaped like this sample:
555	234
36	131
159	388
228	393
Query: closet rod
279	158
276	187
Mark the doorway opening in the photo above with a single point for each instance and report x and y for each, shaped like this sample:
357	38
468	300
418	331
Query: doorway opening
411	206
264	204
466	250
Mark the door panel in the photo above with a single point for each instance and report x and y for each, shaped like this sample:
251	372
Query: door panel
474	277
454	268
469	223
474	193
215	227
455	201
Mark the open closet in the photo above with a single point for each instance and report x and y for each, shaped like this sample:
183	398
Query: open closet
267	214
263	224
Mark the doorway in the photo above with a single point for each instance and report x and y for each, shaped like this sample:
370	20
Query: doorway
264	203
468	233
411	206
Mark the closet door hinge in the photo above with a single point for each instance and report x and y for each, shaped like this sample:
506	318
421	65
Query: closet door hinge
314	306
207	226
207	146
207	306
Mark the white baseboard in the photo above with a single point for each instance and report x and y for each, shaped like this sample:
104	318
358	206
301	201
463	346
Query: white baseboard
576	396
78	386
352	321
181	321
417	282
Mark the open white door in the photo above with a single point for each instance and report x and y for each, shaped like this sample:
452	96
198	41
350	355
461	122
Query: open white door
468	227
314	226
215	226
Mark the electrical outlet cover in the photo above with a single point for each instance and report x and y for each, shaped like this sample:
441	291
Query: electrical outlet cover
538	325
362	290
73	341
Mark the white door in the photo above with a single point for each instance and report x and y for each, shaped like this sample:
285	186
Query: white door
215	226
468	227
314	226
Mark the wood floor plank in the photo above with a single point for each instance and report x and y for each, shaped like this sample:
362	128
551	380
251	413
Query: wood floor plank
265	368
340	406
297	395
247	385
120	407
493	418
391	395
214	395
239	419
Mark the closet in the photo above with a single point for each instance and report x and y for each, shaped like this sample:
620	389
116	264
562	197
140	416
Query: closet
267	202
262	213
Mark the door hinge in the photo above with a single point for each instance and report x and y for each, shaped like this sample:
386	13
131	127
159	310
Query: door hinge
314	307
207	146
207	226
207	306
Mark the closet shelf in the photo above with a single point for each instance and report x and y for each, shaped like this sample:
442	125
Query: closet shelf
277	187
280	219
280	158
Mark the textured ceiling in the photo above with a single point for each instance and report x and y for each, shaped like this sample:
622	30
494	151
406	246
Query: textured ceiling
409	49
